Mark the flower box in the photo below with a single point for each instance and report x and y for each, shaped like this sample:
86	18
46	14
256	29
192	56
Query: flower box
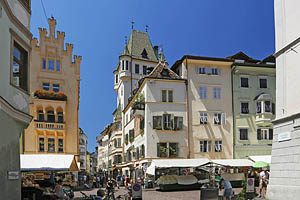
50	95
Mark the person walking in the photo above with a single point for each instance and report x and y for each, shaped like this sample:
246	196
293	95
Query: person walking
118	181
98	181
94	182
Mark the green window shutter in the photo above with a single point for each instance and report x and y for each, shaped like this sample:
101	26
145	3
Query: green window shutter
270	134
258	134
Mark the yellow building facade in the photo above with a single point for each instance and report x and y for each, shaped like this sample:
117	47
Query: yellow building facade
54	95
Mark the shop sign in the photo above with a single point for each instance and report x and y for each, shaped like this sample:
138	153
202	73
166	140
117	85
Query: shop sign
136	191
250	185
13	175
284	136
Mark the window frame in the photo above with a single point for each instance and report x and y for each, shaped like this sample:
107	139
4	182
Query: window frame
217	92
144	70
167	98
26	47
39	150
244	76
259	84
136	68
56	84
53	144
202	115
58	145
204	89
241	107
218	146
240	134
208	146
222	118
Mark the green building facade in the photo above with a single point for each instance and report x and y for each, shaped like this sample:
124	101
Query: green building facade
253	105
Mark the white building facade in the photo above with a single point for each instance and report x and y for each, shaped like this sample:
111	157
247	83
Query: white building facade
284	170
155	120
82	149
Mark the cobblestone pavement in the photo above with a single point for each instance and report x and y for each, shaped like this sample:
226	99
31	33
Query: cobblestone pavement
152	194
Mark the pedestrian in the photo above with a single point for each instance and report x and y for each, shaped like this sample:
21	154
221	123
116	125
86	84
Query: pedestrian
59	190
118	180
84	179
123	180
263	182
94	182
98	181
226	185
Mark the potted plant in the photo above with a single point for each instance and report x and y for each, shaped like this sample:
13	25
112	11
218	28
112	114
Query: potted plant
158	127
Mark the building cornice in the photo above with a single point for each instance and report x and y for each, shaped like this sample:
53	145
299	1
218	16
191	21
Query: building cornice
15	20
13	112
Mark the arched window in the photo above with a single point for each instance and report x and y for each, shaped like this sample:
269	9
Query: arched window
60	117
40	116
50	116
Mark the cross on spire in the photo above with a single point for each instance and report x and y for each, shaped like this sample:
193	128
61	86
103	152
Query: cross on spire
132	23
147	28
125	40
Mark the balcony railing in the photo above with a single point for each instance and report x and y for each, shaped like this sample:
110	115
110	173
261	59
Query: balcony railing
49	125
138	106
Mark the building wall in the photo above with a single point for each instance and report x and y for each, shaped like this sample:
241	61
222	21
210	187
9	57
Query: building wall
252	146
155	107
82	150
209	132
52	46
284	170
14	108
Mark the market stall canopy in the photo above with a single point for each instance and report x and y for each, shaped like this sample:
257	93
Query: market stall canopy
176	163
48	163
233	162
264	158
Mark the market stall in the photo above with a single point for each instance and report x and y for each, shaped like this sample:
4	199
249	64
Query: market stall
173	174
264	158
39	173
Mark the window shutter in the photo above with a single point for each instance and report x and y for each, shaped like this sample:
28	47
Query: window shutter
219	71
270	134
258	134
154	122
273	108
197	70
223	118
158	150
180	123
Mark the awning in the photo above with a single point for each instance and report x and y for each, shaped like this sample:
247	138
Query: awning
233	162
265	158
38	162
175	163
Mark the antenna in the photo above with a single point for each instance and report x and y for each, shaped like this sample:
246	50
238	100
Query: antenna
44	11
147	28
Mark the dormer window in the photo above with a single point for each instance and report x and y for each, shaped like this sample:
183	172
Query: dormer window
165	72
144	54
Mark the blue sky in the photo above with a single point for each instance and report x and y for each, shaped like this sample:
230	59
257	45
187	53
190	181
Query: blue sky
97	29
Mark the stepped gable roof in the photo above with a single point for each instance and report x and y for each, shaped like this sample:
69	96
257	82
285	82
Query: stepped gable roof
242	56
140	47
161	71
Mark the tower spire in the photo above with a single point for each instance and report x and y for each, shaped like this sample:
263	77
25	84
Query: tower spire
132	23
147	28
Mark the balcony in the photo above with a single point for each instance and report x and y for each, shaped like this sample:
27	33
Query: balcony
138	109
50	95
264	119
49	125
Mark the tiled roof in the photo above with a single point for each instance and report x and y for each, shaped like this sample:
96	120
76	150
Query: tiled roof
242	56
163	72
139	45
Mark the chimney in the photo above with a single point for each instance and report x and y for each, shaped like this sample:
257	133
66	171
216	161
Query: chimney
155	48
52	24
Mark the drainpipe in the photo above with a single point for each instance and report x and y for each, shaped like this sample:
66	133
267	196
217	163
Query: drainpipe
233	115
187	107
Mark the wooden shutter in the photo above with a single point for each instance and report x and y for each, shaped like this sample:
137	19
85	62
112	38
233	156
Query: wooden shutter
270	134
258	134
